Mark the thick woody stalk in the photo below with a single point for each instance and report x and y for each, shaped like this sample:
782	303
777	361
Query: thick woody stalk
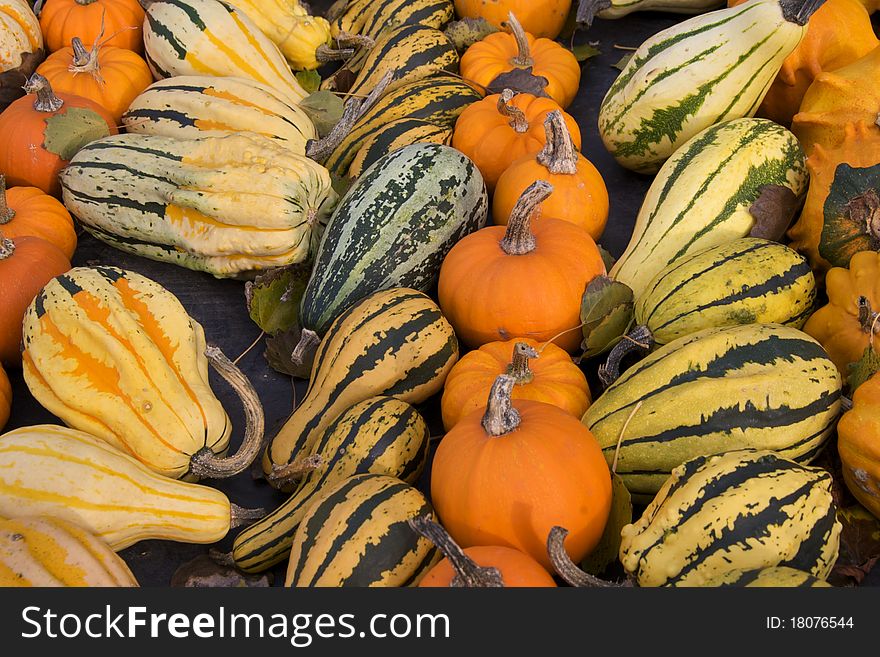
518	238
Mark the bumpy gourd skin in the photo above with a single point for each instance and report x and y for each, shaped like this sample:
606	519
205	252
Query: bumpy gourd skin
859	445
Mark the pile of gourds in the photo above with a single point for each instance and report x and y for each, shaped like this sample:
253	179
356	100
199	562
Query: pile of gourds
181	131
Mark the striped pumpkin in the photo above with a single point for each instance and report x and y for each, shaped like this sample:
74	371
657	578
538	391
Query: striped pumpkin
697	73
380	435
210	37
761	386
394	342
223	205
397	134
371	17
56	471
45	551
357	535
742	510
702	196
770	577
191	106
394	228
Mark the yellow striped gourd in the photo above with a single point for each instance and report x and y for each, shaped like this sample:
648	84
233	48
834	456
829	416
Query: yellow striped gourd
770	577
371	17
742	510
397	134
46	551
115	354
357	535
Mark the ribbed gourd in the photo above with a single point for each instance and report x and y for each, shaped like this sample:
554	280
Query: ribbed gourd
115	354
713	391
703	195
742	510
224	205
702	71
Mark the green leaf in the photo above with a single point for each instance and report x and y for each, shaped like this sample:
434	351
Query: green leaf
606	314
606	552
309	80
863	369
585	51
273	297
324	109
68	131
468	31
607	258
623	61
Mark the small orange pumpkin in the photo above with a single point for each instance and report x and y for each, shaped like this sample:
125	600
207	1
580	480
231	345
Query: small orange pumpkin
543	19
110	76
520	280
502	52
579	192
849	323
501	128
479	566
30	211
858	443
507	476
41	134
5	397
121	20
543	372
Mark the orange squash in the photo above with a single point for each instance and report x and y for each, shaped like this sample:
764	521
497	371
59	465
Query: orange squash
30	211
543	19
848	323
26	265
110	76
543	372
858	442
5	397
501	128
502	52
41	133
507	476
121	20
579	192
522	280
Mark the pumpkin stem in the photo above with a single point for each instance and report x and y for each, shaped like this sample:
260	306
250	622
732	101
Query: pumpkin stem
239	516
587	10
7	214
85	61
467	572
205	463
7	247
567	569
523	57
518	120
519	366
325	53
283	476
348	44
501	417
307	340
46	100
640	338
867	316
799	11
518	238
85	3
559	154
865	209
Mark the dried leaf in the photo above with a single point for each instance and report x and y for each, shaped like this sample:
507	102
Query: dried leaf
309	80
324	109
521	80
279	349
863	369
584	51
859	545
606	314
607	258
468	31
605	553
273	297
623	61
773	211
587	10
204	572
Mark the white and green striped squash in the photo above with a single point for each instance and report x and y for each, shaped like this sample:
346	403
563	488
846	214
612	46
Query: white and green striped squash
702	71
702	196
741	510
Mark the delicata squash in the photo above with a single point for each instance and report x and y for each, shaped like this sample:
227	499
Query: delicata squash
115	354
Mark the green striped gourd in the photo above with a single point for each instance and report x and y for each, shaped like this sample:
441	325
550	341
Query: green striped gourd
380	435
371	17
742	510
703	194
397	134
437	99
210	37
395	342
357	535
702	71
747	281
393	228
762	386
190	106
56	471
609	9
224	205
769	577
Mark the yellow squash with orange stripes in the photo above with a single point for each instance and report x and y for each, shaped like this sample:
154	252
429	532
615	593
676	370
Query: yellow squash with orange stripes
115	354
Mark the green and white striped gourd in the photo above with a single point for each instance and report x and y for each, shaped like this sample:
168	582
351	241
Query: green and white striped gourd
742	510
761	386
702	196
702	71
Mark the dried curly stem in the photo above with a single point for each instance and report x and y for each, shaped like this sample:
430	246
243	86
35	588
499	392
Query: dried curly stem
523	57
467	572
559	154
518	238
46	100
518	120
7	214
640	338
286	475
519	365
567	569
501	417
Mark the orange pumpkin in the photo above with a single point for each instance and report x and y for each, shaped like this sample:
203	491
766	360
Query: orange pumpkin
579	192
543	372
478	566
501	128
543	19
858	443
5	397
507	476
107	75
503	52
41	133
26	265
520	280
849	323
121	20
29	211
